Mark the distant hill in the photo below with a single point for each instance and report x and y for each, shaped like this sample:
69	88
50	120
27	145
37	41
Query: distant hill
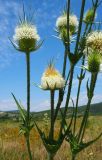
96	109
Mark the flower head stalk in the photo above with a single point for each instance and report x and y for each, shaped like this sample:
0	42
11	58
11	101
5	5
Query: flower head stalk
94	60
52	80
25	40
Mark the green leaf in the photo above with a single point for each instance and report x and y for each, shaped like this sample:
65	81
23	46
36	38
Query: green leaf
84	145
39	130
21	109
78	147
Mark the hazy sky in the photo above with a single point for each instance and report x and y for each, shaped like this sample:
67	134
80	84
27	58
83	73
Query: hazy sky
12	63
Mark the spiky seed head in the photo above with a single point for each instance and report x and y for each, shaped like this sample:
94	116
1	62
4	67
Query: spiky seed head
63	35
26	36
94	41
94	61
52	79
62	23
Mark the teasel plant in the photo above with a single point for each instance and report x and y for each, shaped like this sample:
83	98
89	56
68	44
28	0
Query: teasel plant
94	66
69	30
73	137
78	55
51	81
26	40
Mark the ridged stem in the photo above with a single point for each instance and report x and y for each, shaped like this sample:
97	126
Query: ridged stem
64	62
73	157
80	25
28	102
78	94
68	96
50	156
90	96
28	147
51	134
28	84
69	89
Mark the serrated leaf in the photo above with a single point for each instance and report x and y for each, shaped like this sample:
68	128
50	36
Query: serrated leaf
21	110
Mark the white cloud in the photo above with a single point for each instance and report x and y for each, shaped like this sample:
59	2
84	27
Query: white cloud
83	98
9	11
40	106
9	105
8	14
6	105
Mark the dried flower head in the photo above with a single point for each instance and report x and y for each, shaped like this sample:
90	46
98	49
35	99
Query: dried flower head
26	36
62	23
94	41
52	79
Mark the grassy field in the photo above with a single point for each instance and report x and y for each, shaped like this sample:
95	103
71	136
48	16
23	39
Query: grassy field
12	145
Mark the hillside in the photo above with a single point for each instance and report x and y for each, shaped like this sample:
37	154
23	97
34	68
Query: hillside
96	109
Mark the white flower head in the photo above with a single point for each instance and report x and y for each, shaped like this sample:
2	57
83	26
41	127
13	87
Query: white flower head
52	79
62	21
94	41
26	31
26	36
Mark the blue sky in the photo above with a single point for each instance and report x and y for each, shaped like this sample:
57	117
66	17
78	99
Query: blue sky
12	63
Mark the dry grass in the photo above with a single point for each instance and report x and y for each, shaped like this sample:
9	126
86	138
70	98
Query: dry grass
12	145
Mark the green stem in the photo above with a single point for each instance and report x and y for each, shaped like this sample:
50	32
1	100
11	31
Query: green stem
50	156
60	98
68	97
28	84
78	94
69	90
62	91
80	25
65	62
92	87
68	28
51	134
91	93
95	8
67	50
28	147
28	102
73	157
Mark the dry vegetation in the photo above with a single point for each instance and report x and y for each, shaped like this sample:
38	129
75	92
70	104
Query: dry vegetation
12	145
